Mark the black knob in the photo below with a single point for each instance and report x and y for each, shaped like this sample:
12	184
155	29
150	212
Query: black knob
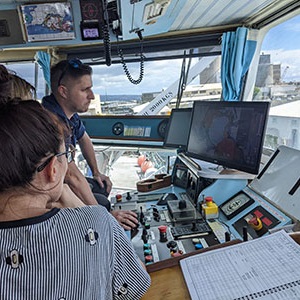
145	239
142	216
172	244
245	234
227	236
194	226
182	204
128	197
156	217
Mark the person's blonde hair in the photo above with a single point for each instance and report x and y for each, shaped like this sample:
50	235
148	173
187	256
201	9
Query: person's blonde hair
13	86
21	88
5	82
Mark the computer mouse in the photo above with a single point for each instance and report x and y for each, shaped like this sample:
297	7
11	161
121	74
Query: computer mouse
165	198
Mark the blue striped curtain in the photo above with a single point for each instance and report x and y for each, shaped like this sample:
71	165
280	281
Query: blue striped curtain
43	59
237	53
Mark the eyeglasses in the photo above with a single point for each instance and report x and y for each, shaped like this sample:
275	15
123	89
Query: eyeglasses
74	63
70	154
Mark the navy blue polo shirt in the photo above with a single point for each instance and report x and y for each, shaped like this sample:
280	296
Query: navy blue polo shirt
75	124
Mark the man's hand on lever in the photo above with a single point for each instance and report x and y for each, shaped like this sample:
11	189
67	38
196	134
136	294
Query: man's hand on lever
100	178
126	218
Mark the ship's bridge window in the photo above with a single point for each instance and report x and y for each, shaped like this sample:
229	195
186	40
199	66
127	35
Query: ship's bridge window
278	80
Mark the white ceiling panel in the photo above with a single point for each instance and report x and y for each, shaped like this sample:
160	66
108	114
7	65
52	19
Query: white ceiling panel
198	15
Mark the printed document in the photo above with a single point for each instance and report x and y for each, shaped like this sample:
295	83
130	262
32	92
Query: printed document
266	268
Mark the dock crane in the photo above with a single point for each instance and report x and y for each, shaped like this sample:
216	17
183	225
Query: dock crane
284	73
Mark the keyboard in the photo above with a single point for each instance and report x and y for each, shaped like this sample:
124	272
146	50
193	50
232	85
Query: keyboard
190	230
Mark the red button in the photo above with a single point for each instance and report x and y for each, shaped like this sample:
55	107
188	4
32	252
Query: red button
148	258
162	228
119	197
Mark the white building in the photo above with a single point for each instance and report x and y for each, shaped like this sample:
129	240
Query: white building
284	125
95	106
209	91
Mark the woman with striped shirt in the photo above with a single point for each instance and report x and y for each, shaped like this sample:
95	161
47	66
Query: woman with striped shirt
47	252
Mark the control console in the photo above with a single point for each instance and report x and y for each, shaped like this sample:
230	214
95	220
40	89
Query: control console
168	231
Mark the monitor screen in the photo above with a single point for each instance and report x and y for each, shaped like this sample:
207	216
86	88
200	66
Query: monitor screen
228	133
178	128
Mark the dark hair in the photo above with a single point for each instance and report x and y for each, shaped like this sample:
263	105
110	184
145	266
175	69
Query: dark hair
66	69
28	134
6	82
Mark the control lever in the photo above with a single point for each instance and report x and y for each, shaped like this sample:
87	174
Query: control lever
156	215
145	236
227	236
194	226
245	234
128	197
142	216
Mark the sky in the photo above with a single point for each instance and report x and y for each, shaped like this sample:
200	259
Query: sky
282	42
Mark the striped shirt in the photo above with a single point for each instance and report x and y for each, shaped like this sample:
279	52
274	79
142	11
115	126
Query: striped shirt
69	254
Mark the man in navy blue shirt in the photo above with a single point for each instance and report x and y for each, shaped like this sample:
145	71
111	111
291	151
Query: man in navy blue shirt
71	85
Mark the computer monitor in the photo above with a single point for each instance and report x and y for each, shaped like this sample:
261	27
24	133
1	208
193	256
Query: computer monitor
178	128
228	133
